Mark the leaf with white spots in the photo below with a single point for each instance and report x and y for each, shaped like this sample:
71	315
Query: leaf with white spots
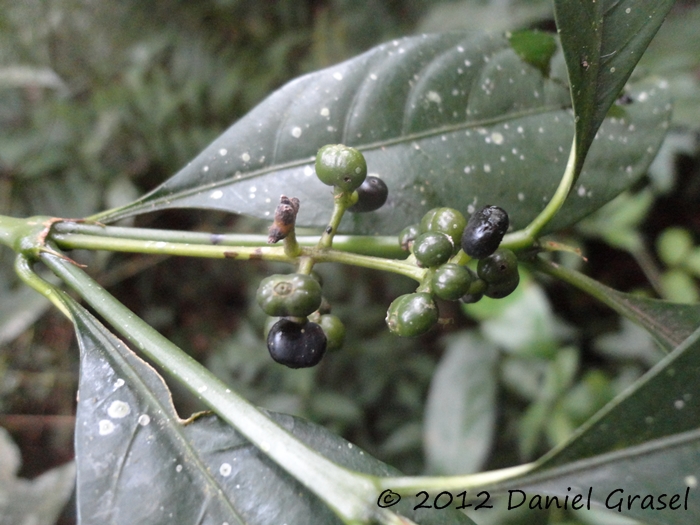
603	41
458	119
138	462
645	442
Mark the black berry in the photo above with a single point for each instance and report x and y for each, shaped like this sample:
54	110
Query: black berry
484	232
296	345
371	195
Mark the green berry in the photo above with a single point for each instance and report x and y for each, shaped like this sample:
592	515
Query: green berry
499	267
476	290
484	231
502	289
341	166
444	220
294	295
408	235
432	248
412	315
334	329
296	345
371	195
451	281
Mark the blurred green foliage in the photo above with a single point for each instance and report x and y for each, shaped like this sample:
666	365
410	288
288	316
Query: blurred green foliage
100	101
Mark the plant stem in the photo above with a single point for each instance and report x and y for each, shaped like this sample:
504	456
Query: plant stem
410	484
557	201
95	242
24	270
350	494
384	246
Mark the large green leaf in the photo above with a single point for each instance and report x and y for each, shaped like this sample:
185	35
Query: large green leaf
460	413
646	441
139	463
453	119
603	41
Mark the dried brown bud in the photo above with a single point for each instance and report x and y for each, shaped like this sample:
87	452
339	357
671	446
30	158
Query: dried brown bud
285	217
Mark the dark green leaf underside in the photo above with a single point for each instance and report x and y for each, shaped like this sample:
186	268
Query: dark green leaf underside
451	120
139	463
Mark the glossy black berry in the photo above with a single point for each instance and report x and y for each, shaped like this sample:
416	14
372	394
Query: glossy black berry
294	295
341	166
408	235
499	267
451	281
296	345
371	195
484	231
334	329
412	315
449	221
432	248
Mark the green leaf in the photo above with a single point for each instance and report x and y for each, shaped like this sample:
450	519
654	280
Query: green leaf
669	323
453	119
603	41
535	48
460	415
131	443
37	501
645	441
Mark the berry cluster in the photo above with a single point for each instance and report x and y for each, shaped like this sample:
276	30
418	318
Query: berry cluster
301	326
434	242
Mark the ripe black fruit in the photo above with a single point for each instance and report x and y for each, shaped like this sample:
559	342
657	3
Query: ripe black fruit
371	195
484	232
296	345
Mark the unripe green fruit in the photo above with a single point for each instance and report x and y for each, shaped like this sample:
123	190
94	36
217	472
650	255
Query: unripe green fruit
371	195
451	281
476	290
341	166
408	235
504	288
432	248
444	220
498	267
334	329
484	231
412	315
296	345
293	295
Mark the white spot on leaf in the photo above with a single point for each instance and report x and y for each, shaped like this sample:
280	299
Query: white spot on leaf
118	409
216	194
106	427
225	469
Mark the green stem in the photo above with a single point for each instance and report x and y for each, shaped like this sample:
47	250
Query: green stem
408	485
384	246
557	201
341	203
24	270
350	494
94	242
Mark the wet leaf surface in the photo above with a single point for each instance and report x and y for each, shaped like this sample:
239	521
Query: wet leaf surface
138	462
454	120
